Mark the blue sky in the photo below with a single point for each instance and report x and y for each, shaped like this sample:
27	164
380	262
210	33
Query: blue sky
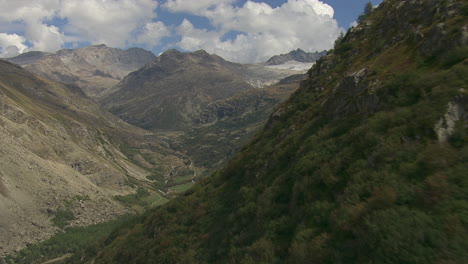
346	11
239	30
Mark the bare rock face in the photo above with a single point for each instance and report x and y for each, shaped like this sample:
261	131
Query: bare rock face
95	69
456	111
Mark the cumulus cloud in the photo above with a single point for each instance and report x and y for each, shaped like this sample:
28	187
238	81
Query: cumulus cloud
117	23
11	45
198	7
44	38
29	10
264	31
249	33
32	14
152	34
109	22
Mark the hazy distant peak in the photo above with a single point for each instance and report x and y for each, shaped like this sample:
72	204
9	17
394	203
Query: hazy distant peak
298	55
170	52
28	57
201	52
100	46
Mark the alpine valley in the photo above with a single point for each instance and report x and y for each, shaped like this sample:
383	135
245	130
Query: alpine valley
66	162
129	157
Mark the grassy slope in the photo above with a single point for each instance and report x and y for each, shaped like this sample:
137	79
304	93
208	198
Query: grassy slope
349	170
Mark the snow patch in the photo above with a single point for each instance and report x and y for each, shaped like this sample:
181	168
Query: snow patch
293	66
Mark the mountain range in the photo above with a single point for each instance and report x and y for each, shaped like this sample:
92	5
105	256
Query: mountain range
95	69
173	92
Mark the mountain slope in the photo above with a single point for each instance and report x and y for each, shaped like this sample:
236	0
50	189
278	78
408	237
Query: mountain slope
365	163
63	158
225	125
170	93
95	69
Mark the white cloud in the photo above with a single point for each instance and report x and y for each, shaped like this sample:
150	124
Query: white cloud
29	10
32	14
266	31
116	23
109	22
11	45
152	34
44	38
194	6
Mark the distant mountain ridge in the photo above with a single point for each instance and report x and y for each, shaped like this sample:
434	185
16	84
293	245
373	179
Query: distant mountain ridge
95	69
298	55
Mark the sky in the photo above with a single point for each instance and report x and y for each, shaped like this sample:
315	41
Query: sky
245	31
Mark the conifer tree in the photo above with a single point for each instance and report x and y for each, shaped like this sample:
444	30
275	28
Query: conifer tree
367	11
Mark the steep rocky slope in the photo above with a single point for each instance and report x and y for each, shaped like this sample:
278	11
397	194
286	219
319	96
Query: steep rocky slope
63	159
365	163
95	69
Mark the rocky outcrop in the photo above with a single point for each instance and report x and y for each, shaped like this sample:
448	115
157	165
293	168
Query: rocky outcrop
456	112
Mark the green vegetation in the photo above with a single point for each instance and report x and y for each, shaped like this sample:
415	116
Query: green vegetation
70	241
349	170
134	199
62	217
367	11
182	187
142	199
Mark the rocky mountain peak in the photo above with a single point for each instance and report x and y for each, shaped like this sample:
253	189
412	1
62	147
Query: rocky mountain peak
28	57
